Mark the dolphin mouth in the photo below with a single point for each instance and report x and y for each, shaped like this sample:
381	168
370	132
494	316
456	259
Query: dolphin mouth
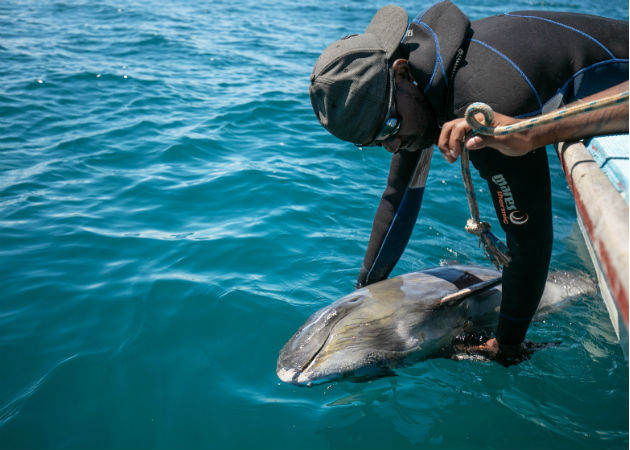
297	376
301	372
287	375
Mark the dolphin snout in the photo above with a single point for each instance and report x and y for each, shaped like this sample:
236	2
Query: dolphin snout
302	349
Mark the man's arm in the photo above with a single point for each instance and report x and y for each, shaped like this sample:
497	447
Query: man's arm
396	214
609	120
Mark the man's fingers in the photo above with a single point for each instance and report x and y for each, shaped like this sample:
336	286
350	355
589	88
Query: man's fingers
451	137
443	141
457	136
445	153
455	144
475	143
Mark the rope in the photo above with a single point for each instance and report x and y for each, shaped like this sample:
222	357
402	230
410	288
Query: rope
488	115
495	250
472	289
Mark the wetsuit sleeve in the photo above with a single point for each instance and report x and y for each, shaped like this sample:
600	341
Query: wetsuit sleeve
396	214
521	193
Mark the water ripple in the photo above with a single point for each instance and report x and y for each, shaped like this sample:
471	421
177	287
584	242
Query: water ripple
171	212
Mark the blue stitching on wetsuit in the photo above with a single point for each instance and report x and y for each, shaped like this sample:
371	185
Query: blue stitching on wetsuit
529	114
421	14
438	58
509	61
565	26
391	226
563	89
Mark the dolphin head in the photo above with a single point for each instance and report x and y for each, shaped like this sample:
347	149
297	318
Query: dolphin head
367	331
339	339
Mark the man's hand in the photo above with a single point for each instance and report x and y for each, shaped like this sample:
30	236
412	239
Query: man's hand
506	355
493	350
458	132
612	119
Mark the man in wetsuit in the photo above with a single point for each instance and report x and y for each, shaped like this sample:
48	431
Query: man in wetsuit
380	89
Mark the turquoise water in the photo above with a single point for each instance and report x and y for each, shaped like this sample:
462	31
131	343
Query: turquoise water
171	212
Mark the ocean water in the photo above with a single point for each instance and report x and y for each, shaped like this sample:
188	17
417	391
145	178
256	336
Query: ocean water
171	212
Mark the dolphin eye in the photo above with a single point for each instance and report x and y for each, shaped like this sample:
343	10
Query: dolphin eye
354	299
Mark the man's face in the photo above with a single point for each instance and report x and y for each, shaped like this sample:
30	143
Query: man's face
418	126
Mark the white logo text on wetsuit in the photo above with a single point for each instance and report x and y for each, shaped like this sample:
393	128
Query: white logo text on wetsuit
509	213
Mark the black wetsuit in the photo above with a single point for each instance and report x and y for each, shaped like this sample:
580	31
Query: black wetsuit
518	63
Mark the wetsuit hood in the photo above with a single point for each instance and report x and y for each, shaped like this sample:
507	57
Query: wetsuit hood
433	40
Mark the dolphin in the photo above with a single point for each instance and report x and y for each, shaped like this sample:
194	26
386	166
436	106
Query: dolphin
402	320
